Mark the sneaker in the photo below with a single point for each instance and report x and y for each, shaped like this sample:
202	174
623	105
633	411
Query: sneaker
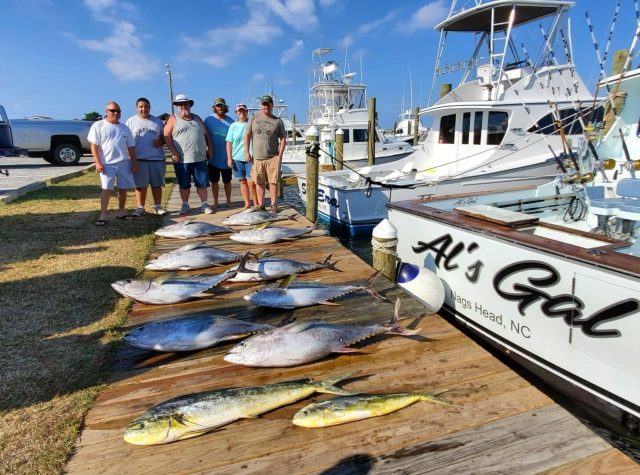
160	211
139	212
185	208
259	208
206	209
274	208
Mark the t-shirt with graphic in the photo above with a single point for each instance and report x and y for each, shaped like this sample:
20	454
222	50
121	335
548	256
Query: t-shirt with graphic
145	131
112	140
265	133
218	129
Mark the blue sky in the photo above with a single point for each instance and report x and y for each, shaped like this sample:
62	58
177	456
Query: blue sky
64	58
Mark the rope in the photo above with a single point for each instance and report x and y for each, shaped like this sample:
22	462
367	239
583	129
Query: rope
384	247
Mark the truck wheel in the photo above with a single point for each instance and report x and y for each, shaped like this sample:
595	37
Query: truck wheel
66	154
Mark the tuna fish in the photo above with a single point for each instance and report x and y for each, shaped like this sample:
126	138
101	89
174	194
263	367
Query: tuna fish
168	288
302	342
265	234
191	229
189	416
271	268
193	256
341	410
251	218
191	333
302	294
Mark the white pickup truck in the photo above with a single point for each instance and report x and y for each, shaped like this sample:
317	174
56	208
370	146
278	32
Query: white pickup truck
7	148
60	142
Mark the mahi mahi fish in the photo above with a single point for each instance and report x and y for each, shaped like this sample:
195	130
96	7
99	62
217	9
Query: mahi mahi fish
302	342
289	295
191	333
345	409
189	416
265	234
271	268
191	229
251	217
168	288
193	256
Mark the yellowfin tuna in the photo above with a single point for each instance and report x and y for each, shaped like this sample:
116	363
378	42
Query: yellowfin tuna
341	410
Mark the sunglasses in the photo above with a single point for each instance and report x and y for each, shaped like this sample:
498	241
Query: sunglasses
114	111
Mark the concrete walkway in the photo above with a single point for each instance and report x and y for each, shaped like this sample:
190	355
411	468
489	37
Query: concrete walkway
30	173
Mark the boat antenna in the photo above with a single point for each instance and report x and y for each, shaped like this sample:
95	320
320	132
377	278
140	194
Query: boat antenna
410	88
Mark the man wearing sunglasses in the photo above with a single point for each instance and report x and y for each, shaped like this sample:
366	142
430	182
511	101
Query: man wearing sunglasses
114	154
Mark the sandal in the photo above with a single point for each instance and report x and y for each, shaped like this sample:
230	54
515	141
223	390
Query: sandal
128	217
100	222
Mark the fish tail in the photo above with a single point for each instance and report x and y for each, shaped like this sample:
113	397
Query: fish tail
328	385
370	290
327	264
394	328
432	396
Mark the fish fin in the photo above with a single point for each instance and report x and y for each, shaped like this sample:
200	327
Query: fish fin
394	328
345	349
370	290
297	327
242	269
326	302
432	396
293	217
262	225
191	246
161	279
285	321
327	264
187	221
328	385
286	282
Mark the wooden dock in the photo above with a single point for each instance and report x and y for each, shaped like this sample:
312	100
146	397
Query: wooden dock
502	424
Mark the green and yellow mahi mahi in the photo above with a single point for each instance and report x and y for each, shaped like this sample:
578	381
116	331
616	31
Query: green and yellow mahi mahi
341	410
189	416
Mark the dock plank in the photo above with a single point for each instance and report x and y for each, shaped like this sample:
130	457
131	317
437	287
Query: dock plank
502	424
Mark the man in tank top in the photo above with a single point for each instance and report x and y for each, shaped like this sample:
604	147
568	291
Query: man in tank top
190	145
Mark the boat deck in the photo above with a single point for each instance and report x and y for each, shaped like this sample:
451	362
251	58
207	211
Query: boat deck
503	424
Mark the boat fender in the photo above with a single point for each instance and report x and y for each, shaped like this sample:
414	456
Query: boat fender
424	284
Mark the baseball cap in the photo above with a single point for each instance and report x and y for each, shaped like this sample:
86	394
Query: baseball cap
219	102
241	106
266	99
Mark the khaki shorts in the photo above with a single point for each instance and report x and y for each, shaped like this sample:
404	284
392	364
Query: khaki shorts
266	171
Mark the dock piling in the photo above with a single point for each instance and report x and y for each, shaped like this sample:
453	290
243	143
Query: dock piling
312	145
339	148
384	242
371	138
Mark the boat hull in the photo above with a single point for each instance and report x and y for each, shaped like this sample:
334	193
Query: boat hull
545	307
356	211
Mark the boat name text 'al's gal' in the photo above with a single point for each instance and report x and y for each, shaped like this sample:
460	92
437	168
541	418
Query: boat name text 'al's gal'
567	306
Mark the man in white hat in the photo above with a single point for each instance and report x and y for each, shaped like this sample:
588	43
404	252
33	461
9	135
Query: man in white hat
188	140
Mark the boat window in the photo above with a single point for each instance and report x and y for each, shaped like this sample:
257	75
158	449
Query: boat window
477	128
570	121
466	125
360	135
496	127
447	129
345	138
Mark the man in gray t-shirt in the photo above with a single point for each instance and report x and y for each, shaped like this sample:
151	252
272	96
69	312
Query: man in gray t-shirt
267	135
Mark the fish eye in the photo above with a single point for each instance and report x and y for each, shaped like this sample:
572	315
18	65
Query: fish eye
137	426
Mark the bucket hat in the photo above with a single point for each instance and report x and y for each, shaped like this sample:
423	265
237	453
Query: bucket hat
182	98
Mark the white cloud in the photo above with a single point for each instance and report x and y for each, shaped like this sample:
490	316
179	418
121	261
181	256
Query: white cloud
298	14
367	27
258	77
427	16
219	46
292	52
127	59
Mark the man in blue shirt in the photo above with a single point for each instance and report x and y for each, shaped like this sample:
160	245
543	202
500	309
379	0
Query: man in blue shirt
218	125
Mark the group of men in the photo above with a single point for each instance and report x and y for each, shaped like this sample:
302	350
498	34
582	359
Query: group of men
202	152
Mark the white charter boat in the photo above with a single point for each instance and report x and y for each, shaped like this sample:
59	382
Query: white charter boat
497	128
549	275
337	101
404	129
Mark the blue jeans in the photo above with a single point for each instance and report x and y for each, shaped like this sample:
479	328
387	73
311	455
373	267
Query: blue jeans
242	170
197	170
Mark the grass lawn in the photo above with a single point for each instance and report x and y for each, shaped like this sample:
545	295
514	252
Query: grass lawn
59	318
